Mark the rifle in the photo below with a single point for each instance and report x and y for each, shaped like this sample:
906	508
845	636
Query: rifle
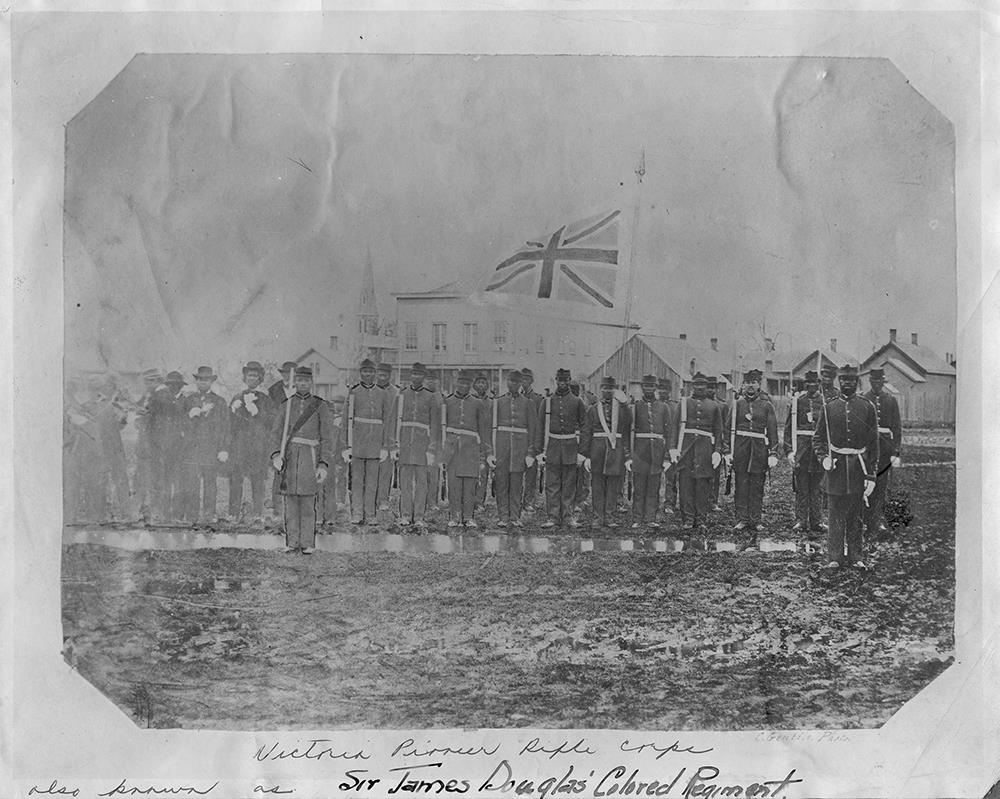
283	485
732	446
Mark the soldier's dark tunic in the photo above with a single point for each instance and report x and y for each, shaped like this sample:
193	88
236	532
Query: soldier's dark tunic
206	434
531	473
331	491
483	483
560	419
515	431
248	450
466	444
756	439
702	436
669	471
807	469
387	468
582	492
311	447
653	433
368	431
890	433
418	426
853	444
278	392
606	439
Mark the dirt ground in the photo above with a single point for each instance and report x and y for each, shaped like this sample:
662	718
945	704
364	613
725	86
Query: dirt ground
244	639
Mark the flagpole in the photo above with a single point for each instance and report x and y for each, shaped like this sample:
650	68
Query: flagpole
640	171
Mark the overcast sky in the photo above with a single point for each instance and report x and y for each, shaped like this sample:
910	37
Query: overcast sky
223	206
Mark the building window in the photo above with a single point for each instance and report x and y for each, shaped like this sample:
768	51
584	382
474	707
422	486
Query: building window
572	345
539	342
411	336
470	337
334	342
500	335
587	348
439	333
315	368
562	345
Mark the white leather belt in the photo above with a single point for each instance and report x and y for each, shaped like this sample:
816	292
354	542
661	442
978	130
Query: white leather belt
563	436
886	430
461	431
806	433
602	434
421	425
649	435
366	420
848	450
749	434
309	442
505	429
696	432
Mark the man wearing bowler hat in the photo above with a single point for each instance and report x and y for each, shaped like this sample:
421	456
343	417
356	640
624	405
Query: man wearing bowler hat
369	433
302	440
807	471
206	445
560	420
890	432
418	436
251	425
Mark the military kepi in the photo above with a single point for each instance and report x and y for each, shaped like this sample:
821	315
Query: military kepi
514	375
563	374
699	378
811	376
608	382
849	371
418	369
367	363
753	376
303	371
876	374
649	380
466	374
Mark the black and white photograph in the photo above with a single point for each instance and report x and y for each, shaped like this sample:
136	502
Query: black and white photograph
427	389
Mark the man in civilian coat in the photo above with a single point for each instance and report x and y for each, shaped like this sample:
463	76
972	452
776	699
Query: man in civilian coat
251	426
807	471
846	442
605	442
755	451
890	433
465	420
206	445
418	433
369	434
653	434
560	420
698	451
302	442
514	423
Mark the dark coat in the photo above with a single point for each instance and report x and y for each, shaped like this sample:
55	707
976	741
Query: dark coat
302	459
852	424
250	431
467	434
560	415
370	424
807	412
890	428
750	451
418	423
207	434
596	444
652	425
696	449
514	419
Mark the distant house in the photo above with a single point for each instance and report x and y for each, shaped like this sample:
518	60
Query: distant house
920	379
815	360
329	379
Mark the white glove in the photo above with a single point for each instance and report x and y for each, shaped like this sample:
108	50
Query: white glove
716	459
586	464
250	400
195	411
234	404
772	461
430	458
491	461
188	390
207	407
580	459
828	463
628	465
869	487
320	474
675	455
540	458
277	463
729	460
529	461
223	456
394	454
383	454
346	455
896	461
791	458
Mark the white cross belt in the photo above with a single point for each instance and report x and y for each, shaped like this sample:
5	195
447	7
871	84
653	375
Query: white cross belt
749	434
649	435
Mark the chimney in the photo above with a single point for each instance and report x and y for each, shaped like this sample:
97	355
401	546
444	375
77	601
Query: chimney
714	343
768	366
913	339
833	345
683	337
892	334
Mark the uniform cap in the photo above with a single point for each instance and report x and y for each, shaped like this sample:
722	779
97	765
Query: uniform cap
649	380
712	380
563	374
418	369
829	369
482	376
849	371
664	384
608	382
384	367
754	375
205	373
287	367
527	374
514	375
253	366
811	376
175	378
466	374
877	374
303	371
699	378
367	363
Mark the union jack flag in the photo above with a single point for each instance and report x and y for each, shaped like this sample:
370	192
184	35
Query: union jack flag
578	263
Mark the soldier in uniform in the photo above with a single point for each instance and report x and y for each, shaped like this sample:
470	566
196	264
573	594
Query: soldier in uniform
302	439
827	380
251	425
807	471
481	391
560	420
664	392
712	392
605	443
698	451
467	443
278	392
386	469
418	433
890	432
206	445
531	473
846	442
369	434
755	444
330	497
652	432
514	423
582	492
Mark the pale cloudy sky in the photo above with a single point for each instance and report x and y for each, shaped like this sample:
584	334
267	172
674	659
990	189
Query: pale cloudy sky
223	206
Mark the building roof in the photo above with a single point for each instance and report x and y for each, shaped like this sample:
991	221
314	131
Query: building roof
907	370
838	359
313	354
677	354
926	361
455	288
